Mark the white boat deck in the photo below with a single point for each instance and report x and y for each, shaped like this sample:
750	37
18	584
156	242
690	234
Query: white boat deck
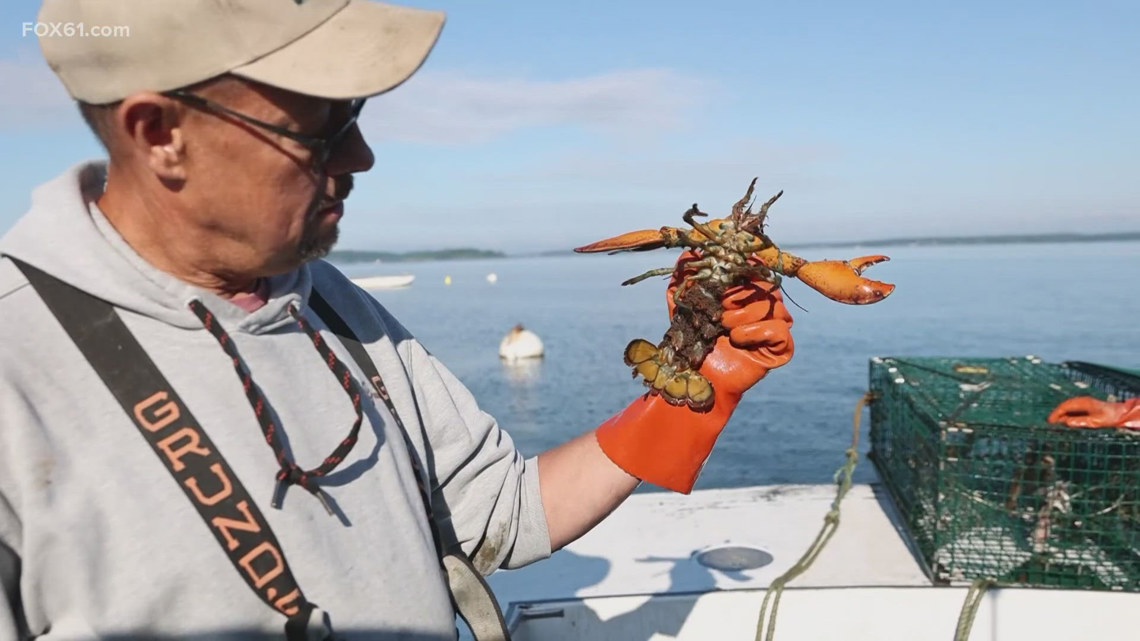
635	578
647	545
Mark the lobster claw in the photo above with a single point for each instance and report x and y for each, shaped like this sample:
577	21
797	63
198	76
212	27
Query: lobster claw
643	240
841	280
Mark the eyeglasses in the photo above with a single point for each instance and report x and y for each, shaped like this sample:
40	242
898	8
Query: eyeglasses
320	147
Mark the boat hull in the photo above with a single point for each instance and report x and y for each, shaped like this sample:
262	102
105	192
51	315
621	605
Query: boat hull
384	282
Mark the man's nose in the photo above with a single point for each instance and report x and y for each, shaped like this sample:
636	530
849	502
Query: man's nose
352	155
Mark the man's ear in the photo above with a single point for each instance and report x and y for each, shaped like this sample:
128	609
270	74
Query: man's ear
151	126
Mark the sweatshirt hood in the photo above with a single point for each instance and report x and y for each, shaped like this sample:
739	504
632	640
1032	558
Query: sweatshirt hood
65	235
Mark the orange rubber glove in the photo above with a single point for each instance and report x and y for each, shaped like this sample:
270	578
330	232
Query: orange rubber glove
1086	411
667	445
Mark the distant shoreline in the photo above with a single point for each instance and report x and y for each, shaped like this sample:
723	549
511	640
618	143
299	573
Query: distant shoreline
365	256
1008	239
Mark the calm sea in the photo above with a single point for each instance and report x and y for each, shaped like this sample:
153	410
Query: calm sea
1077	301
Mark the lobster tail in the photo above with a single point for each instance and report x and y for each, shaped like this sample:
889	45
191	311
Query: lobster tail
685	387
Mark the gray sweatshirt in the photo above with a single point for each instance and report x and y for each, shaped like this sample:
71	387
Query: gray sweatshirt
97	540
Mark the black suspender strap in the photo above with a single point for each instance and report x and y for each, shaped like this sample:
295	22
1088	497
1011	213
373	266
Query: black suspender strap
339	327
181	445
207	480
470	594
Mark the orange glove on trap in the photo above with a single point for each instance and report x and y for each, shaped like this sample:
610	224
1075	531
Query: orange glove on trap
668	445
1086	411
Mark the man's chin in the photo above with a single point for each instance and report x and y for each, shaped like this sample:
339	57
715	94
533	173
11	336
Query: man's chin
318	246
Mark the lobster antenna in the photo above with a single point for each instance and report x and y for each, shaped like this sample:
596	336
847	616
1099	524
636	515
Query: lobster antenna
789	297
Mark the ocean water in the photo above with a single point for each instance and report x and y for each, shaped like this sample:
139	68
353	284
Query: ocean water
1078	301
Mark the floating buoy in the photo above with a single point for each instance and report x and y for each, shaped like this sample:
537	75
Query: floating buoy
520	343
492	278
447	280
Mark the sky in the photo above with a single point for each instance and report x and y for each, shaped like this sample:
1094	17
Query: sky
538	126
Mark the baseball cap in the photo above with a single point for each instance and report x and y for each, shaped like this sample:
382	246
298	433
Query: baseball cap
336	49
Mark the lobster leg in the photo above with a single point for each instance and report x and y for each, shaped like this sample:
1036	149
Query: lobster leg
762	273
690	217
743	206
661	271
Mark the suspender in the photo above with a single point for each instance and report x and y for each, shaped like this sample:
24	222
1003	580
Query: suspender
470	594
356	349
215	491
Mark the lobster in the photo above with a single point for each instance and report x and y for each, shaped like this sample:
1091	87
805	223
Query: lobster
723	253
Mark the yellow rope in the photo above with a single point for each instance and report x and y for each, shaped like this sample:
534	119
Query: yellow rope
830	525
970	608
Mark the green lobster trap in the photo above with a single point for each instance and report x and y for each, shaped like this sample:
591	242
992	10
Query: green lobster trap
988	489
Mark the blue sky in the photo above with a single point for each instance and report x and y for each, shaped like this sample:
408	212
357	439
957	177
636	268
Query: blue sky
544	125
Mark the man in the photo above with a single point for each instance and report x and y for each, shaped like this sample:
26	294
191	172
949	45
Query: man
258	447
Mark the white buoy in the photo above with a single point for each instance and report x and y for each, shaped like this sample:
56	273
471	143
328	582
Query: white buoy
492	278
520	343
447	280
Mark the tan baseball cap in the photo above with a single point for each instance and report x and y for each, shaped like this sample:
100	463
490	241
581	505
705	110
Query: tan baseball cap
337	49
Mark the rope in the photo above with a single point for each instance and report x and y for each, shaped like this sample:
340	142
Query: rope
970	608
830	525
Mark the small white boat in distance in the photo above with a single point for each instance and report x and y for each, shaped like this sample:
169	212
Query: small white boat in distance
385	282
520	343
